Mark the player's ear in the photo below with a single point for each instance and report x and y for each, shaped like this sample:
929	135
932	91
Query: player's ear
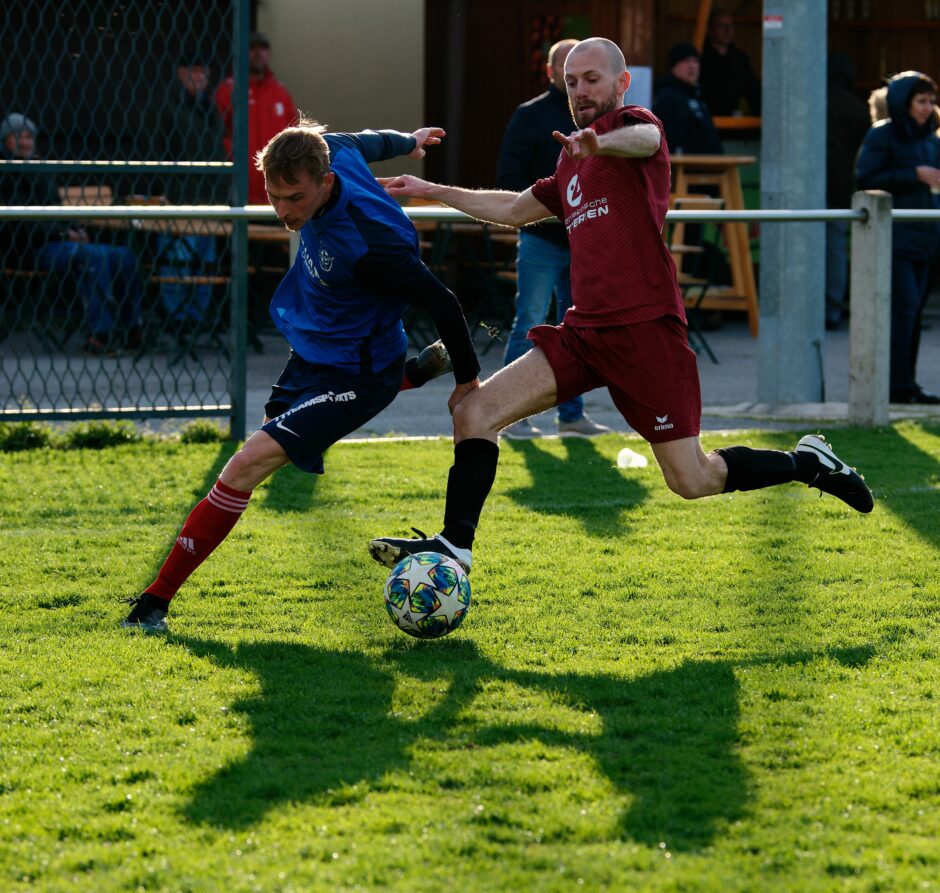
624	82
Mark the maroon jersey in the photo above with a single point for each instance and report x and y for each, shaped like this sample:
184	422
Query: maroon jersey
614	210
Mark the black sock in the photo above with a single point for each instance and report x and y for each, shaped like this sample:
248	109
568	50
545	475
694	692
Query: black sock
468	484
750	469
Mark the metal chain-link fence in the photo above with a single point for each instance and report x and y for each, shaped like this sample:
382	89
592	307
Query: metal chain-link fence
118	103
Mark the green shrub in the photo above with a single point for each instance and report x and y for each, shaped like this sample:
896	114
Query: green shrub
99	434
16	436
202	431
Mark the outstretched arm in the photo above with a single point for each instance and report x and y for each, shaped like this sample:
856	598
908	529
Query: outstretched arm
632	141
491	205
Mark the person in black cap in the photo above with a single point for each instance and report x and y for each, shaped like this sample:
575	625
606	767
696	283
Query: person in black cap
678	104
270	109
188	128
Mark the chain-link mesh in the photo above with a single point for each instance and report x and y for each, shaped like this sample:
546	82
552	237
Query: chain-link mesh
115	317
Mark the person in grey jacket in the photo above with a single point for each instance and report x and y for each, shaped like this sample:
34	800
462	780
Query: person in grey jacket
901	155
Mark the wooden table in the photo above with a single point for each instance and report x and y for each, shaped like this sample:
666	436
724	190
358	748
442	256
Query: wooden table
723	172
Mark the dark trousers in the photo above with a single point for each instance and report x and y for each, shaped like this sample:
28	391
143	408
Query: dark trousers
910	280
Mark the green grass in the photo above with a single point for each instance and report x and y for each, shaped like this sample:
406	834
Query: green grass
736	694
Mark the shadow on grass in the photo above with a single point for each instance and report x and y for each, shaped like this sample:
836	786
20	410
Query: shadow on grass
570	485
290	490
323	723
909	475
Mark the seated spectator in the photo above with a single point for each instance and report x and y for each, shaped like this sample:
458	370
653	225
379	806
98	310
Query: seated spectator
678	104
106	276
729	85
188	128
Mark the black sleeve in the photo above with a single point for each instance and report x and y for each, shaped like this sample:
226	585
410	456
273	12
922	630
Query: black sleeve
672	109
515	155
398	273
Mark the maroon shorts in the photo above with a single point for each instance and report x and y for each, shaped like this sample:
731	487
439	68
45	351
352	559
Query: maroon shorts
648	368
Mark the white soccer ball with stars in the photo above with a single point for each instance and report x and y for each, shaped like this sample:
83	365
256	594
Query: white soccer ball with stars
427	595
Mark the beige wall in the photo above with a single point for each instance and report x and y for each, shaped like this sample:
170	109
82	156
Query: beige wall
352	64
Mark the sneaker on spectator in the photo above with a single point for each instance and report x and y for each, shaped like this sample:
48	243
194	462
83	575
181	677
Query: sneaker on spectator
521	430
583	427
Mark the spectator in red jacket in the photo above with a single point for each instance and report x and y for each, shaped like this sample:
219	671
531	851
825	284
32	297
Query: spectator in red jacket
270	110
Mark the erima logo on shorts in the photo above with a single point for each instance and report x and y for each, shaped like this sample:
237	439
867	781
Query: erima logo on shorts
574	192
663	423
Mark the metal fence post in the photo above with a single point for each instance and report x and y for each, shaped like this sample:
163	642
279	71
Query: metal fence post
870	323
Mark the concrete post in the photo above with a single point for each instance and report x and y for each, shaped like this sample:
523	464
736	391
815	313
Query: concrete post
793	175
870	322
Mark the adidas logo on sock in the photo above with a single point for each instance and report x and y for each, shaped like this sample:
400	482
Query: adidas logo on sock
187	543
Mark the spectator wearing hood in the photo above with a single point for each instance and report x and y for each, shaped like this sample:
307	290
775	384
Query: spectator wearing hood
106	275
679	105
847	122
901	155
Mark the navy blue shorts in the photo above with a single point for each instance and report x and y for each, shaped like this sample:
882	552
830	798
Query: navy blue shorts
311	406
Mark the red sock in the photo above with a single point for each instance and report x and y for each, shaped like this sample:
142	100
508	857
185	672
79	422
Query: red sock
207	525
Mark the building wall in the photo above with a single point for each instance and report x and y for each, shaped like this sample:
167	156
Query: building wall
352	64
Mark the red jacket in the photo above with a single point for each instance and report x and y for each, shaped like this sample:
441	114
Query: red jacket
270	110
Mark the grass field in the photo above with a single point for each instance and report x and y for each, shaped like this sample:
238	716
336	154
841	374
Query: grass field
738	694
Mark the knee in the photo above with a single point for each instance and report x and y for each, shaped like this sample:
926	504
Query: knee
687	483
469	418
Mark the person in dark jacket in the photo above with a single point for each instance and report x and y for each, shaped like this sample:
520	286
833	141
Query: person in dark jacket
188	128
106	276
847	122
729	85
901	155
529	153
678	104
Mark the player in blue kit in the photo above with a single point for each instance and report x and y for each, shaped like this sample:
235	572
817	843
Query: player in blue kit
340	307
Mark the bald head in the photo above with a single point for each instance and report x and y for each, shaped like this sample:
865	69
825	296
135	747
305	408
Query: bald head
555	68
596	79
606	49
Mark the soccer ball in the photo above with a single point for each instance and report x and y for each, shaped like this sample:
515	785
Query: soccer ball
427	595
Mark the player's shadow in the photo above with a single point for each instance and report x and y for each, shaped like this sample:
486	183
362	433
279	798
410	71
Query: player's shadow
583	484
324	728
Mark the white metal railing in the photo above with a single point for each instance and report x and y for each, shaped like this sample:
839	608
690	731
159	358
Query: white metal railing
871	217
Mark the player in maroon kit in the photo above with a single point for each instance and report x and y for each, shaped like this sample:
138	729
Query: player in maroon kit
626	329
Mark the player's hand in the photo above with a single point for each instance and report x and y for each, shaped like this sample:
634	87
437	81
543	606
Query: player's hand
406	186
460	392
578	144
426	136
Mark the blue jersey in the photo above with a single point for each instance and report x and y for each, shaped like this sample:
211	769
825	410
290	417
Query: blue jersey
330	306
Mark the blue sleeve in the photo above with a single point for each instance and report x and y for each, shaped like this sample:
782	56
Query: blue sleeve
375	145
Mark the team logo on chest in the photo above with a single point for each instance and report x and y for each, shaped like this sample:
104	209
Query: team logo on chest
326	262
574	192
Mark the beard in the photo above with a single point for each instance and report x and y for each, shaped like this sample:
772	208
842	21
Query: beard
596	110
